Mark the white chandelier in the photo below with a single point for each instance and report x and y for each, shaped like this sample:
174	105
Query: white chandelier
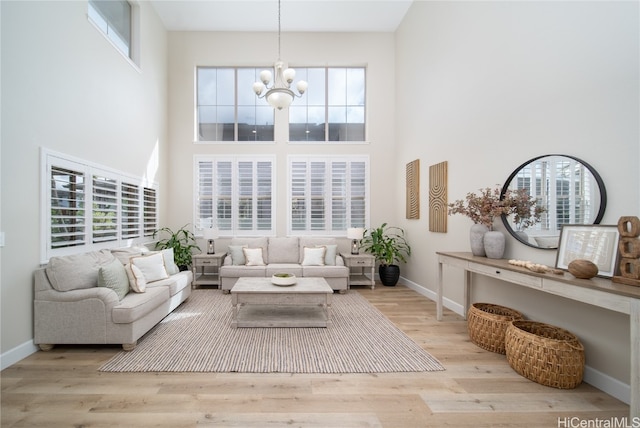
279	95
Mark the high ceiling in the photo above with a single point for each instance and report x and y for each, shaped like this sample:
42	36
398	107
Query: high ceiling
296	15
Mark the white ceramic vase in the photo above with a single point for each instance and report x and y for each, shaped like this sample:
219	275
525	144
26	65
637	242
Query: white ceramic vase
476	239
494	244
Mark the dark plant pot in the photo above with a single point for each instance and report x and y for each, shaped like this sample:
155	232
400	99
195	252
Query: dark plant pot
182	268
389	274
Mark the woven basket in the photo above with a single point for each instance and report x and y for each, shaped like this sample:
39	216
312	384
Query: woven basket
545	354
487	324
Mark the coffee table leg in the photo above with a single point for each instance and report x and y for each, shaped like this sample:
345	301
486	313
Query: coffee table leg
234	307
328	310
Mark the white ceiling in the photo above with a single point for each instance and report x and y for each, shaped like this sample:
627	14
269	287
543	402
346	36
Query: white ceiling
296	15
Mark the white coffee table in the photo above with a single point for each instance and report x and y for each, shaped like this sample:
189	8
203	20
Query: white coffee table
258	303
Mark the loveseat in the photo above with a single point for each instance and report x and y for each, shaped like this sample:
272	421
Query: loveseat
106	297
300	256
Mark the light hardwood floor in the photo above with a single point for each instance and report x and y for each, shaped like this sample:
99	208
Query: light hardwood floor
63	388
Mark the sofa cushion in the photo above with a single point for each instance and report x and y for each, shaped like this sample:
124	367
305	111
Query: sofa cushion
152	266
314	256
253	256
135	306
237	255
114	276
136	278
283	250
77	271
292	268
232	271
176	283
325	271
124	254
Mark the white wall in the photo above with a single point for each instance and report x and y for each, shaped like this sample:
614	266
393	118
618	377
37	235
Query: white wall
65	88
489	85
190	49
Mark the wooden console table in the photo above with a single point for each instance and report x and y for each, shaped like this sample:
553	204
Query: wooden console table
599	292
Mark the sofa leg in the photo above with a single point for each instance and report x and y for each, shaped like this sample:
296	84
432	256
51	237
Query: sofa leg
45	347
226	291
342	291
129	346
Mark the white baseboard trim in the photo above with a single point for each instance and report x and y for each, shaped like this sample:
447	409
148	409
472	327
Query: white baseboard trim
16	354
602	381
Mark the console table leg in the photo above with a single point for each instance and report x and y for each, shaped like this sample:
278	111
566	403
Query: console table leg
467	292
634	405
439	299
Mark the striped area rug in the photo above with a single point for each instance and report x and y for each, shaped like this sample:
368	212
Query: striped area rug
197	337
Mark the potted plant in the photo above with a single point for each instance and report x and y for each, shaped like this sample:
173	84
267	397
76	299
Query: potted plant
183	242
389	246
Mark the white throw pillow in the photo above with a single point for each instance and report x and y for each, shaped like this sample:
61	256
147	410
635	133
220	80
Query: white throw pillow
136	278
253	256
169	261
314	256
152	267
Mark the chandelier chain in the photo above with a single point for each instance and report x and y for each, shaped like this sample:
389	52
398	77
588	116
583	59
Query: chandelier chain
279	31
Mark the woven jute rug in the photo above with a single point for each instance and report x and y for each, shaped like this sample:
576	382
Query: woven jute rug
198	337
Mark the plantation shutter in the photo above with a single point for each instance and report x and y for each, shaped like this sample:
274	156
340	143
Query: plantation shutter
104	209
150	211
130	211
67	202
327	195
264	199
223	195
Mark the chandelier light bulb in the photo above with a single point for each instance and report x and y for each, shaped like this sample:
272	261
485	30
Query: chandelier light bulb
258	87
265	76
289	74
302	86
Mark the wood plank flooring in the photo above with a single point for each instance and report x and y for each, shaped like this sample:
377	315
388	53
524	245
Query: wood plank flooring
63	388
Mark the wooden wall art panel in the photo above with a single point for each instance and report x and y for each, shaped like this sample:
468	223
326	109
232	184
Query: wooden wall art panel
413	189
438	210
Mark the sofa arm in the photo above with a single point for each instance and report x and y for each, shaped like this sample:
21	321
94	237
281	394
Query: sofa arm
106	295
339	260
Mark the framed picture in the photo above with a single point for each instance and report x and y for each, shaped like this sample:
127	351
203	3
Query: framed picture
596	243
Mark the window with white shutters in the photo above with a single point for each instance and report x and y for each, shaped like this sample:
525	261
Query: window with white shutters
130	211
90	207
235	194
327	195
67	205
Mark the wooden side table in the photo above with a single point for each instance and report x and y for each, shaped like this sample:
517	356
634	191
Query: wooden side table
357	263
200	263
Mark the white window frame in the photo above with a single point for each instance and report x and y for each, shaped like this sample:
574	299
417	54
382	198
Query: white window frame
329	191
235	229
147	224
133	55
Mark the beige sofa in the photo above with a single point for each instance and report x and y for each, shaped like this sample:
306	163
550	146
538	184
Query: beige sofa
303	257
85	299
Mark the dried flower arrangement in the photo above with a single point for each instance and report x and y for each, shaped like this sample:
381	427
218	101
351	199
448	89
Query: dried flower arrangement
484	207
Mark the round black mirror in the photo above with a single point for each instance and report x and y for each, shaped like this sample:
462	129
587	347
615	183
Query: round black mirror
567	191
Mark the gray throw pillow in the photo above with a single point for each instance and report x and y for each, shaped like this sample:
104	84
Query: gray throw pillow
114	276
237	255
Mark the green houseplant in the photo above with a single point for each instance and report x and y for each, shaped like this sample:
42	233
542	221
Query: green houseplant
183	242
389	246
